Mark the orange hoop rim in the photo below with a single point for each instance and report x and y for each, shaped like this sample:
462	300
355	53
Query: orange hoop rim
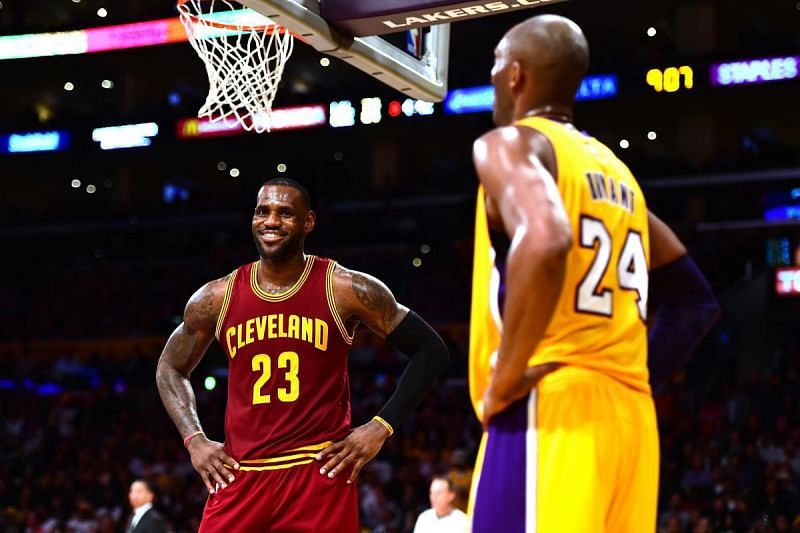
198	19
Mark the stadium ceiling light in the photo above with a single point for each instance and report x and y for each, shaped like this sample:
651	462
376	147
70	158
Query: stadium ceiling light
75	183
102	12
107	84
91	189
624	144
281	167
324	61
651	135
69	86
234	172
651	31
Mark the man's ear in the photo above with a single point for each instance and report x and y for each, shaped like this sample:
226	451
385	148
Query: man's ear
311	221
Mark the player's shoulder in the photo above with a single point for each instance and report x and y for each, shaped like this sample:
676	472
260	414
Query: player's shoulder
367	299
205	304
349	283
512	137
217	286
515	143
342	278
221	282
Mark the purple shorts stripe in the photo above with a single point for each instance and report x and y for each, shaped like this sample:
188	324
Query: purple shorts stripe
500	498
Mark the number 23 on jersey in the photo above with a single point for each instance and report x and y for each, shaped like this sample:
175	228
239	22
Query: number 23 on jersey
289	362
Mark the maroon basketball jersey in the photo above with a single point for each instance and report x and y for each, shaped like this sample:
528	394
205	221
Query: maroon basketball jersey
287	363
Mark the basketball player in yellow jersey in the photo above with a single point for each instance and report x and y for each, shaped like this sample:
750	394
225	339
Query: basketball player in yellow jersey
564	251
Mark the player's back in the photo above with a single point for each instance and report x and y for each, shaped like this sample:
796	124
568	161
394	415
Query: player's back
287	359
599	321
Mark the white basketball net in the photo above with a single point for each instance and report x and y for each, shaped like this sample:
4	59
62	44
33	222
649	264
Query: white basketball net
244	54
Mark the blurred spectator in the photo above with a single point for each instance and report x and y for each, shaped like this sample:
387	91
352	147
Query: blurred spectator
83	519
460	476
442	517
378	512
144	518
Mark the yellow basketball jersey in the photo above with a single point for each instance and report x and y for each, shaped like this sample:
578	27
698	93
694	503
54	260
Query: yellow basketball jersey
599	321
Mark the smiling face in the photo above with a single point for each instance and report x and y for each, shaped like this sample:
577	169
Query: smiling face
281	221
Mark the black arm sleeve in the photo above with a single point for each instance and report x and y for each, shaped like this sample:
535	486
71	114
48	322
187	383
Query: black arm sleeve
429	357
686	311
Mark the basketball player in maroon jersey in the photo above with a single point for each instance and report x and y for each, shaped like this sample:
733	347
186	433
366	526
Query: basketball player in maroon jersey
286	323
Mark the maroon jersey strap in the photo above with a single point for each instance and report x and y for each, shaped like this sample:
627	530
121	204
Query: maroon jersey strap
348	337
225	303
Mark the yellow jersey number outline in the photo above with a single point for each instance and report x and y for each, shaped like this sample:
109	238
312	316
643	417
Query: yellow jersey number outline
263	363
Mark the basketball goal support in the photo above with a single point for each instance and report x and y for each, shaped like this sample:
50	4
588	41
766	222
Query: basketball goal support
424	78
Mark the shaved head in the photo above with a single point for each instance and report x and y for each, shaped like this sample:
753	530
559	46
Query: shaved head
555	49
539	62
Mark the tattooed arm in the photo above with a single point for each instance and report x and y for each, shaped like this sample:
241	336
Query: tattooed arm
363	298
183	351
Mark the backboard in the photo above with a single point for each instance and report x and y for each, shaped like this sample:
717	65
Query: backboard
424	78
245	50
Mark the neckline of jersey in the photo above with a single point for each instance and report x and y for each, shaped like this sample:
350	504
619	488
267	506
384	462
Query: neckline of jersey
280	296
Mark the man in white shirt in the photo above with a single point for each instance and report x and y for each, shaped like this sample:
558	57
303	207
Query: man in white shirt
144	519
442	517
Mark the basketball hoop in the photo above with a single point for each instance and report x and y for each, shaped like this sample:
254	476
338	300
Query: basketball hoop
244	54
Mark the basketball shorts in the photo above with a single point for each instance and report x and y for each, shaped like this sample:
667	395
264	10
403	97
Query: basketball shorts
578	454
294	499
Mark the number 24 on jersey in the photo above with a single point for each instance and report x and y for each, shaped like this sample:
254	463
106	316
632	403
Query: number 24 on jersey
631	270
